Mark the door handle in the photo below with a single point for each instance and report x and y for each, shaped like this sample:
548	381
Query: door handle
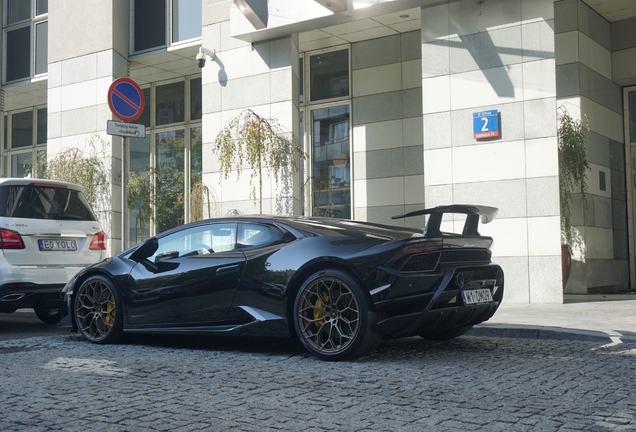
228	269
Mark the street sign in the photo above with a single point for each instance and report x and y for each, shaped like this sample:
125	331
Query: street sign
486	124
125	99
123	129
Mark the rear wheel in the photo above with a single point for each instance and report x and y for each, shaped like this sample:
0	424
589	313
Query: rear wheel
48	315
98	311
448	334
333	316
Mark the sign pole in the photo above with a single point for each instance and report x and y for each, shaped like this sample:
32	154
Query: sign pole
123	193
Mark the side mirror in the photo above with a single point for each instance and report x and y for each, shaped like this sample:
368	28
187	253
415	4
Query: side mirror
145	250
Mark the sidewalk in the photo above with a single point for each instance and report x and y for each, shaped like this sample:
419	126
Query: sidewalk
610	318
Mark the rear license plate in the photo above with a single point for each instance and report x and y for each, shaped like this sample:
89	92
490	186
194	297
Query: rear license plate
57	245
477	296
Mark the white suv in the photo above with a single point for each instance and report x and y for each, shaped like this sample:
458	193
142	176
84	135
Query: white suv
48	233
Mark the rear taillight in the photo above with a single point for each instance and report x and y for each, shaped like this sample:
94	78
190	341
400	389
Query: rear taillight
99	241
10	239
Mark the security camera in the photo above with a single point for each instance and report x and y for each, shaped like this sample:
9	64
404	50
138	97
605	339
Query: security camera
202	56
200	60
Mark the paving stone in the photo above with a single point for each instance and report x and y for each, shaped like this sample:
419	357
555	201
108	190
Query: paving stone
200	384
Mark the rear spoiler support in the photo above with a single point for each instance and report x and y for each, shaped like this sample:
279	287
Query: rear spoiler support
474	213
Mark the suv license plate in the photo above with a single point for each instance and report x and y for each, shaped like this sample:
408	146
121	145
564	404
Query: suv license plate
57	245
477	296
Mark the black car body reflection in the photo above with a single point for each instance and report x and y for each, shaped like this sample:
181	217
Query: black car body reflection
340	286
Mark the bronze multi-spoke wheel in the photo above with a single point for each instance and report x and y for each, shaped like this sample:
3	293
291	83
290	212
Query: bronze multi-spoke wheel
332	316
97	310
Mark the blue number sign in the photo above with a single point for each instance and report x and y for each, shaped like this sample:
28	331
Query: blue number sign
486	124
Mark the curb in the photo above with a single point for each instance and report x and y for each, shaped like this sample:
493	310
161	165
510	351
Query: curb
548	333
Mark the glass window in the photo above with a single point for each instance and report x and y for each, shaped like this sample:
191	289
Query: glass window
331	161
41	156
631	96
149	24
302	79
20	164
144	118
18	45
196	99
201	240
196	156
170	179
329	75
41	139
186	19
41	47
255	235
18	10
44	202
6	136
139	204
170	100
22	130
41	7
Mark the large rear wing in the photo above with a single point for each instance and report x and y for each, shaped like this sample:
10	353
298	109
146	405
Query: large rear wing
474	213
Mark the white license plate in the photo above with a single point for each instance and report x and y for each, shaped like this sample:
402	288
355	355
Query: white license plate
57	245
477	296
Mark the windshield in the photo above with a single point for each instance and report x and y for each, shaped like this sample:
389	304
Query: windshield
44	202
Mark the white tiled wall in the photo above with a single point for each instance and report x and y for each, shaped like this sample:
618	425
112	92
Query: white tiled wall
497	55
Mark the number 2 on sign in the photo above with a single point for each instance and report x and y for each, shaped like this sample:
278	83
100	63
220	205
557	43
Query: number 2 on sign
484	128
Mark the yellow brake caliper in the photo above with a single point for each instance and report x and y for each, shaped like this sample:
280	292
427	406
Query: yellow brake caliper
318	312
109	308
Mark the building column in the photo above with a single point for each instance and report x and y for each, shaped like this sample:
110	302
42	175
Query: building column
80	71
263	77
497	55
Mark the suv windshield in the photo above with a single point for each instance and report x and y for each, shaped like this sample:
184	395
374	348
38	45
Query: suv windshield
44	202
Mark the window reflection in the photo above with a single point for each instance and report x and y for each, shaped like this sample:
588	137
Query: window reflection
150	24
22	130
186	19
170	179
170	100
329	75
18	42
331	175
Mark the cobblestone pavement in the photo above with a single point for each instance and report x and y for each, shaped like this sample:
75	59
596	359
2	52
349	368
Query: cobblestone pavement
191	384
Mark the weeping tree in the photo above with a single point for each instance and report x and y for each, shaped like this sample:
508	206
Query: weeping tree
74	165
140	197
262	144
573	167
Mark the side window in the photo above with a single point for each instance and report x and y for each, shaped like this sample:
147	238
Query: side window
202	240
255	235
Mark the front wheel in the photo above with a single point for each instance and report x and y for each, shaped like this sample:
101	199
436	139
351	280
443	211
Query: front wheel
333	317
97	310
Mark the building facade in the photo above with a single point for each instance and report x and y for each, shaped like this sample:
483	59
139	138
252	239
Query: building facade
393	102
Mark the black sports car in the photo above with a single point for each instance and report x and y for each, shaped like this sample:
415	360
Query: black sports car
339	286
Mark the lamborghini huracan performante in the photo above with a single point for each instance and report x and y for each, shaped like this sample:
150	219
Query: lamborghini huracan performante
338	286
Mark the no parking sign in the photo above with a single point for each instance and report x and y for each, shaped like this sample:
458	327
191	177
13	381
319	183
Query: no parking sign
125	99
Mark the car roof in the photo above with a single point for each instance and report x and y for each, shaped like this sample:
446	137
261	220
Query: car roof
40	182
309	222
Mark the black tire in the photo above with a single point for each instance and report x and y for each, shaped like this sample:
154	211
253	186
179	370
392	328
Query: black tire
97	311
333	317
48	315
448	334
